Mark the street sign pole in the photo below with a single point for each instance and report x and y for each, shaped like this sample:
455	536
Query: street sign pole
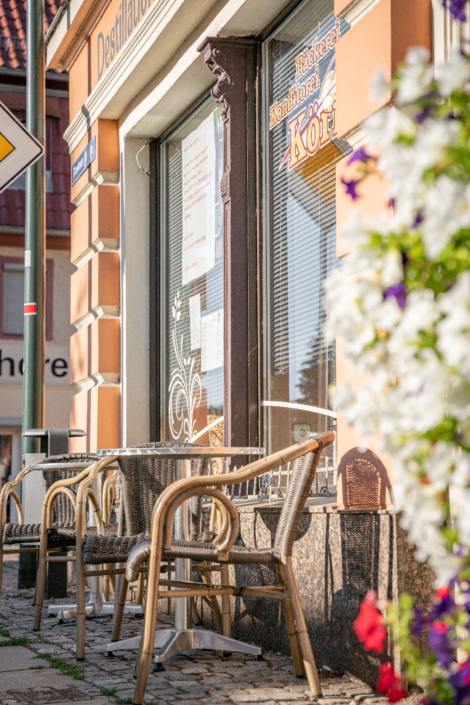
35	231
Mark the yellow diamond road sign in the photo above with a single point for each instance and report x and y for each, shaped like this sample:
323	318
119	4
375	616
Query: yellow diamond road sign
18	148
5	147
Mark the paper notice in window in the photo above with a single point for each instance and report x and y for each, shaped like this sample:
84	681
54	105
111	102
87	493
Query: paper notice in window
195	321
212	341
199	195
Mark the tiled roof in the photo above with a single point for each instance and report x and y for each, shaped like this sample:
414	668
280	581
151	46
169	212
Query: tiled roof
13	31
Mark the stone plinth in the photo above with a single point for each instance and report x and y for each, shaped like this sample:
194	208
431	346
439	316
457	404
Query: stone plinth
338	557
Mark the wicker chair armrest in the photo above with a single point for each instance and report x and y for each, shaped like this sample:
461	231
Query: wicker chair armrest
7	489
249	472
230	520
244	474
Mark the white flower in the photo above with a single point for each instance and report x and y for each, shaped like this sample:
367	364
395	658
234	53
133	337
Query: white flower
407	385
415	77
380	86
446	211
463	517
453	74
392	268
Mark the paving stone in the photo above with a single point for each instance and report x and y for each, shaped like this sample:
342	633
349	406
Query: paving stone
18	658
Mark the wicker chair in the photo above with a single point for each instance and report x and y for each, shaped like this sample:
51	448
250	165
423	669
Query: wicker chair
223	551
143	481
61	534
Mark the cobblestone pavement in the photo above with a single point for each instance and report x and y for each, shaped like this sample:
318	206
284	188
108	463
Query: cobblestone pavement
44	670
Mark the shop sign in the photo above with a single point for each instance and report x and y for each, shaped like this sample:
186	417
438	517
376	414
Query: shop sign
84	160
308	110
11	364
127	16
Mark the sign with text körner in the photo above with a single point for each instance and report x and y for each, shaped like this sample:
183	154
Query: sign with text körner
18	148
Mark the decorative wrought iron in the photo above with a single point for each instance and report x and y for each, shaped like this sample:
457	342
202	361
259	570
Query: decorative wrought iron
185	388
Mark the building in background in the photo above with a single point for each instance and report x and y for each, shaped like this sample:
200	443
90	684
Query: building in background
12	223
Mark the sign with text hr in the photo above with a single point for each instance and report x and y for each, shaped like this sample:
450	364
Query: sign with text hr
18	148
81	164
11	363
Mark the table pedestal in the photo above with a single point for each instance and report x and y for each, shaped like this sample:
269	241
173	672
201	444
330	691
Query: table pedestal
183	637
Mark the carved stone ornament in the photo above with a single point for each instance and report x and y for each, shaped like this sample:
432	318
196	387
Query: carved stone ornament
225	57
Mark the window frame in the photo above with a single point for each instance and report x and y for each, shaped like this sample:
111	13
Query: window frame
49	297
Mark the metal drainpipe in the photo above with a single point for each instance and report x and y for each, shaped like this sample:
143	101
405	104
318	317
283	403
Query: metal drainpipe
35	230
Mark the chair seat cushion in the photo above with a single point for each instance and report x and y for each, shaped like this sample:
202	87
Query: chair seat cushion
108	549
60	535
197	550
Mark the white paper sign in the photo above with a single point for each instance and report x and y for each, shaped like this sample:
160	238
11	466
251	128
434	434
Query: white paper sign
212	341
199	201
195	321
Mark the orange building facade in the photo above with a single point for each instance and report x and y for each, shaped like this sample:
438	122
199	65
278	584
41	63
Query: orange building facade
207	143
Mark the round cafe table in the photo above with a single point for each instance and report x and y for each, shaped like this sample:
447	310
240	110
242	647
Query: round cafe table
182	637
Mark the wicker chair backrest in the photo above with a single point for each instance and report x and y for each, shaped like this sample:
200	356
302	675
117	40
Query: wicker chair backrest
64	513
144	480
303	474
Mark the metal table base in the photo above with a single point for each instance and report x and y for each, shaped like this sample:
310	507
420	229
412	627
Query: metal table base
95	606
172	641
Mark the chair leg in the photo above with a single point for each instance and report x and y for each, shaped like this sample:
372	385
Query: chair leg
226	614
150	625
301	627
291	630
105	579
119	608
206	578
196	617
1	567
81	616
40	581
140	589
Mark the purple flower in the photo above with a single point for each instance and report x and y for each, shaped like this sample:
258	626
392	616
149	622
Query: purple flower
399	292
351	187
460	681
440	643
419	621
419	218
445	603
360	155
456	8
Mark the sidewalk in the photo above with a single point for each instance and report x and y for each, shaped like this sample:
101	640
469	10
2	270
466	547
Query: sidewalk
40	668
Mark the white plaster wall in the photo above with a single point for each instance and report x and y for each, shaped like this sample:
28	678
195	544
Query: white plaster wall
134	294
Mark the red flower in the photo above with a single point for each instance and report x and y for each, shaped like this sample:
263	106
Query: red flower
442	592
369	625
390	683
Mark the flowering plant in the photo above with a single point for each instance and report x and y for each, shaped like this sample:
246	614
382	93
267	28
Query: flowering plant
400	302
427	642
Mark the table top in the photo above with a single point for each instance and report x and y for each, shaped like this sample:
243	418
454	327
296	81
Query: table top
181	453
68	466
